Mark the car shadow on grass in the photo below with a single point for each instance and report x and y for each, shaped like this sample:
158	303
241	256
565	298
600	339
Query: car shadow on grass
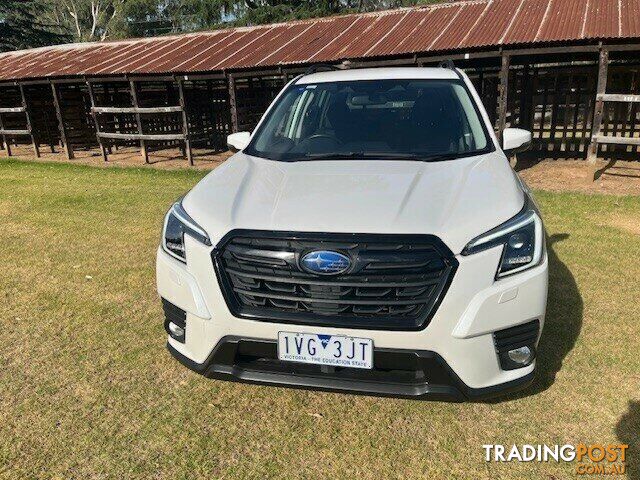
628	431
563	323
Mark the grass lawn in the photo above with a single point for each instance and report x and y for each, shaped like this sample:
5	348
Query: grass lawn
87	389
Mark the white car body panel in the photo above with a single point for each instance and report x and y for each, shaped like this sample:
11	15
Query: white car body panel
455	200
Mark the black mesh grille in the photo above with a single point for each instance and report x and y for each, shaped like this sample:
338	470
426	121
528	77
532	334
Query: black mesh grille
394	282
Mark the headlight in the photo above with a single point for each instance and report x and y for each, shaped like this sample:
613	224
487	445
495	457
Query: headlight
522	239
177	223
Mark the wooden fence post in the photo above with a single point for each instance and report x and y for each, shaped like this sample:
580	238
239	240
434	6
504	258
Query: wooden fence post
27	115
5	139
92	97
232	103
503	89
63	132
603	70
185	121
134	100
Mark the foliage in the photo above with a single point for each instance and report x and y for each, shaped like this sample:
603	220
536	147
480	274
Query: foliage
88	20
20	27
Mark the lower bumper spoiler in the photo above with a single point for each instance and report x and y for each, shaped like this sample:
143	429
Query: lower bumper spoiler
419	375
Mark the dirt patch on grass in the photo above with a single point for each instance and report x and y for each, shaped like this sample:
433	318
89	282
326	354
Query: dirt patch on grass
612	178
626	224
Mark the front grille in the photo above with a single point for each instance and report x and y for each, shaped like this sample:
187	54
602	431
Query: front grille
394	281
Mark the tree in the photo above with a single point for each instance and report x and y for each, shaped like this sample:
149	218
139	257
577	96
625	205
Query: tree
21	28
90	20
191	15
84	20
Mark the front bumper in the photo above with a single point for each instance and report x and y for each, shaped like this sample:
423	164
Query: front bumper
415	374
458	340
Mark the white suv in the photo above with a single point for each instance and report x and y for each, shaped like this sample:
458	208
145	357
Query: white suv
369	236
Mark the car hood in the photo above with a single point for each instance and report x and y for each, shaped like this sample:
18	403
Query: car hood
455	199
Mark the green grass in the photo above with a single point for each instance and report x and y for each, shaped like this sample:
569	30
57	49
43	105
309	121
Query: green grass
87	389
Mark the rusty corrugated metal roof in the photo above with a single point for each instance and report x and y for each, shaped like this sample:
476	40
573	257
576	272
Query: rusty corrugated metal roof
448	27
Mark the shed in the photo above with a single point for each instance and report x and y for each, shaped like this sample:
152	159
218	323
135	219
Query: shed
569	70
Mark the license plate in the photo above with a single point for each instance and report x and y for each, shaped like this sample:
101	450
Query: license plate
330	350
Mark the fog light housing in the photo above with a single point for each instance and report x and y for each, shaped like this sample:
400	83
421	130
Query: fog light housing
521	355
516	346
175	321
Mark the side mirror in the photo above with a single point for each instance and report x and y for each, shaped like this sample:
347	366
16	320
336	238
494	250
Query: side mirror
238	141
515	140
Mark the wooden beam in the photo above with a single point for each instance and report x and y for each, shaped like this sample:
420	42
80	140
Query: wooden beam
142	110
44	81
204	76
63	132
271	72
623	47
421	60
134	100
185	123
106	79
5	141
232	104
151	78
142	137
617	140
616	97
526	98
27	114
596	126
15	132
12	110
92	96
551	50
503	89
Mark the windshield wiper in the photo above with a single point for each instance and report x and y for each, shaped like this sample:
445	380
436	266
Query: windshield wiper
332	155
442	156
361	155
384	156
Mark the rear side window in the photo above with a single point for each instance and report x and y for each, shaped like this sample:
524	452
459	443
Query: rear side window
421	119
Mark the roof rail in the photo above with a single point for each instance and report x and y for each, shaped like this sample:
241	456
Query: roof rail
320	67
447	64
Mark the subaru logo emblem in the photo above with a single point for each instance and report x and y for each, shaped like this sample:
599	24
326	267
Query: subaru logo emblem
325	262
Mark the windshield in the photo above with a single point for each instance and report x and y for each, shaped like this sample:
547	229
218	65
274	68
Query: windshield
413	119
